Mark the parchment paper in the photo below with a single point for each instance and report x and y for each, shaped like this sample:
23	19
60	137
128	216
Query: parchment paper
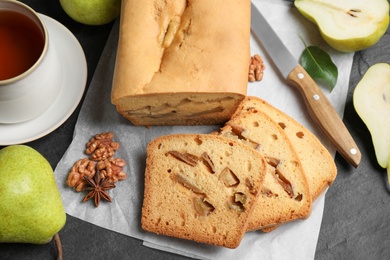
296	240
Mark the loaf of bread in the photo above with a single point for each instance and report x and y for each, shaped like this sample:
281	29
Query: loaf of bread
181	62
285	194
317	162
201	187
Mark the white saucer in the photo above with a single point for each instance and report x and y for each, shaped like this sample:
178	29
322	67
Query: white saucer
74	64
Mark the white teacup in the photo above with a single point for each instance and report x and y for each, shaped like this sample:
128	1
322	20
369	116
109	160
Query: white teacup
26	93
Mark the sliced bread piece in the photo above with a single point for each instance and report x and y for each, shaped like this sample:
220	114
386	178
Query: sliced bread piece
317	162
201	187
285	194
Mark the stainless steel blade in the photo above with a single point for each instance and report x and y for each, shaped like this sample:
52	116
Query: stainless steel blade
275	48
315	100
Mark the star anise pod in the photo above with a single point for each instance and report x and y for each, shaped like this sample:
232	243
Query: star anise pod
97	188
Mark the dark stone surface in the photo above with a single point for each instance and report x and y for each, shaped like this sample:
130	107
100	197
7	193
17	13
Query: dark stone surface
356	222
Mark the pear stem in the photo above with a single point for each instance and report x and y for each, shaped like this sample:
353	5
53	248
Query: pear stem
57	240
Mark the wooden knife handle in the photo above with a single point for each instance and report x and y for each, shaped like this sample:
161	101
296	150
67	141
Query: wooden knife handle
325	115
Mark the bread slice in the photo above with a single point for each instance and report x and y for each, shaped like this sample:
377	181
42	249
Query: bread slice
317	162
181	62
285	194
201	187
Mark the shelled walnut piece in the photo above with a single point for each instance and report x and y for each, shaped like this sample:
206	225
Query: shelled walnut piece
101	146
256	68
111	168
81	168
101	149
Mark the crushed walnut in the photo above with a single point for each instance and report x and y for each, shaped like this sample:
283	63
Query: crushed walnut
256	68
82	176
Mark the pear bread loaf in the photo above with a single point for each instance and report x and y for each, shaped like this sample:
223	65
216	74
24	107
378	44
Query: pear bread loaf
181	62
317	162
201	187
285	194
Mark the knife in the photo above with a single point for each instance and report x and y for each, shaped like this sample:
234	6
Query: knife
318	105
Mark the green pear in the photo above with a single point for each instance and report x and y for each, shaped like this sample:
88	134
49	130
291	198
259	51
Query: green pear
31	209
371	100
347	25
92	12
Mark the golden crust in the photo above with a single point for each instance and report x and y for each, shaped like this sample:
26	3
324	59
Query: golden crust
189	47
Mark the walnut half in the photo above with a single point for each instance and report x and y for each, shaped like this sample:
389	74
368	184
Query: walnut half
81	168
256	68
101	146
112	169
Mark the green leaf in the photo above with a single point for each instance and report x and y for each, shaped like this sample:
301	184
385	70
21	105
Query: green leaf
319	65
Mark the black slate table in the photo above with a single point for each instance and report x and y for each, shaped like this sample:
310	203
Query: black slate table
356	221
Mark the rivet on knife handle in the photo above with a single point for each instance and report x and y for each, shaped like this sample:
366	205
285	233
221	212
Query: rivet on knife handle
325	115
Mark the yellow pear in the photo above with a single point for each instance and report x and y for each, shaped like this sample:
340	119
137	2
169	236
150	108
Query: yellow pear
347	25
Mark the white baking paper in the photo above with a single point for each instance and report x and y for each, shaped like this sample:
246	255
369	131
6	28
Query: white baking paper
296	240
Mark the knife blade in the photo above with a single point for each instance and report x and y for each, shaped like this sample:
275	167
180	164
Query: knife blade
318	105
